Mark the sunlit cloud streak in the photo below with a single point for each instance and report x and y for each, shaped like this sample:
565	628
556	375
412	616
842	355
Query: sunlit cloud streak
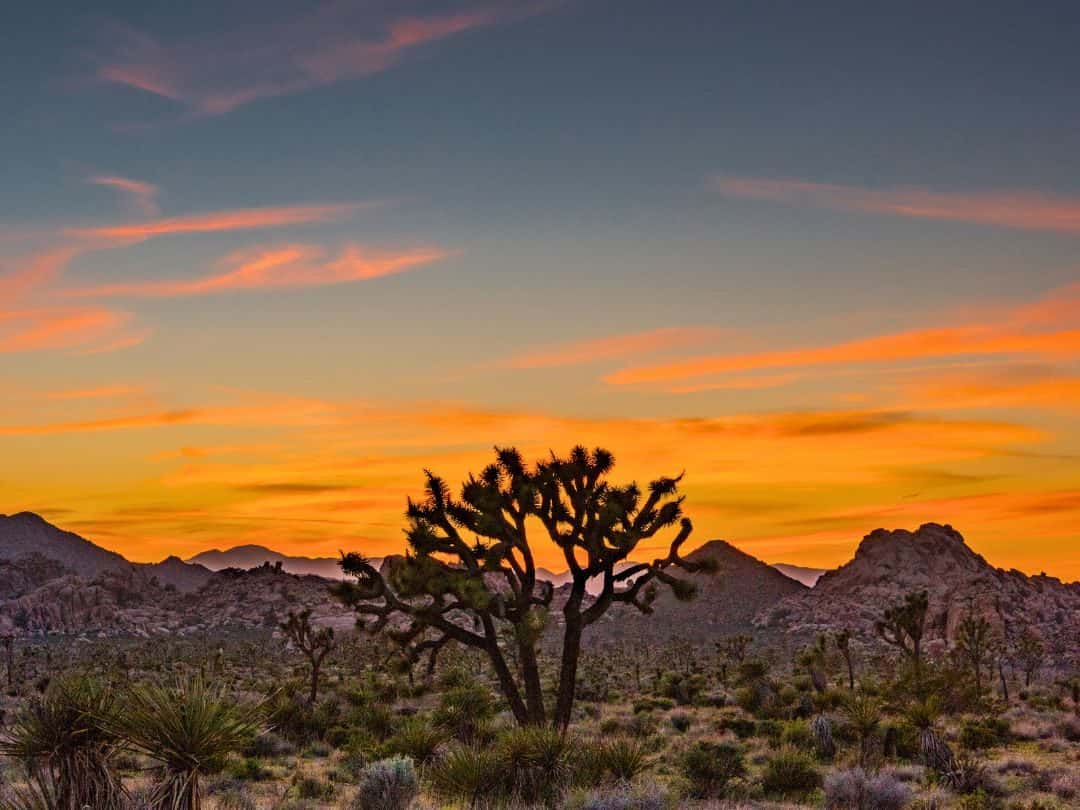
1027	330
217	73
1023	210
583	352
238	219
277	268
143	196
59	328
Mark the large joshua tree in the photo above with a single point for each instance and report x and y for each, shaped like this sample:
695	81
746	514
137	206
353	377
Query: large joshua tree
470	576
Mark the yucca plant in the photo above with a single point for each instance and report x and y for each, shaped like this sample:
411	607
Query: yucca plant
66	740
187	728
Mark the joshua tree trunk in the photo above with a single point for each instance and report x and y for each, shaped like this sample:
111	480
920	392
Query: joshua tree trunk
571	652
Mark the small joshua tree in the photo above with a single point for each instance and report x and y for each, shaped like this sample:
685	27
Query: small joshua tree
470	576
842	640
973	642
1030	654
315	643
903	626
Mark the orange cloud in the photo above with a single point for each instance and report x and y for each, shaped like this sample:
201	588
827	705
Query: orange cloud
34	271
57	328
1008	209
240	219
289	266
100	392
1021	332
1023	387
215	74
605	348
143	195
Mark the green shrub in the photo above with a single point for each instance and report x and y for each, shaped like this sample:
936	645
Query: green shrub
796	734
680	721
741	727
311	787
708	768
465	712
466	773
790	774
984	732
416	739
621	758
248	769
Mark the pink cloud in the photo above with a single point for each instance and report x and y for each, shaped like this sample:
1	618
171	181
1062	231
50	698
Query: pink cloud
216	73
276	268
142	195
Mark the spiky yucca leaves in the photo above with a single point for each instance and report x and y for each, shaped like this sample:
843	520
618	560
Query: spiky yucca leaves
187	728
66	741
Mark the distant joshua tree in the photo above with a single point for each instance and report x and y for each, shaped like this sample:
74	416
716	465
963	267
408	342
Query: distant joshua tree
470	570
973	642
1030	654
903	626
315	643
842	640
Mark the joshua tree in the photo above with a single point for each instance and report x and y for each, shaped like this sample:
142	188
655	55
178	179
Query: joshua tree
973	642
185	728
8	640
732	650
842	640
313	642
903	626
864	713
470	568
1030	654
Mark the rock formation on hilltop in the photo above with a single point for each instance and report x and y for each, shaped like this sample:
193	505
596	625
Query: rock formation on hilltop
726	602
890	564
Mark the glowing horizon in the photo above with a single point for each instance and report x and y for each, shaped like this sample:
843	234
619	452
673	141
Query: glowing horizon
258	271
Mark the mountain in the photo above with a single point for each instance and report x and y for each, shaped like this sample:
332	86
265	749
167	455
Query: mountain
250	556
890	564
725	604
26	534
807	576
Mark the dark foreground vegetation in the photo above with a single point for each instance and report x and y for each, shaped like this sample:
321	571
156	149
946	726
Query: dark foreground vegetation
472	683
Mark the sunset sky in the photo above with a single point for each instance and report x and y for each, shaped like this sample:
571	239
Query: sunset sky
261	263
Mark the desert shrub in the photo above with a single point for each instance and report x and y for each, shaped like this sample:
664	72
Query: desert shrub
857	790
984	732
796	734
969	775
389	784
247	769
790	774
708	768
680	721
311	788
749	699
465	711
416	739
771	730
533	762
683	689
741	727
901	739
1066	785
235	799
466	773
621	758
1070	729
269	745
648	704
619	797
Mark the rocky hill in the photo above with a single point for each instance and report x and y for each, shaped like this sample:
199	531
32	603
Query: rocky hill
26	534
726	602
55	582
890	564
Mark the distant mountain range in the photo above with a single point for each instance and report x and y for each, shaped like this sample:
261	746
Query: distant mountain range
250	556
55	582
807	576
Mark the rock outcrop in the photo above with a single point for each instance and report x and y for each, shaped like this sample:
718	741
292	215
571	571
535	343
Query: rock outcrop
934	558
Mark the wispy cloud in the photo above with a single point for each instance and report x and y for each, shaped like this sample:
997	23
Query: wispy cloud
237	219
98	392
217	73
1045	328
581	352
143	196
60	328
1023	210
276	268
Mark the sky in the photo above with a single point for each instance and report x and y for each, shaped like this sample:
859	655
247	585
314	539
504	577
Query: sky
263	263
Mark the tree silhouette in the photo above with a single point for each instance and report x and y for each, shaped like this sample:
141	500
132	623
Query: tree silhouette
903	626
470	572
842	640
315	643
973	642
